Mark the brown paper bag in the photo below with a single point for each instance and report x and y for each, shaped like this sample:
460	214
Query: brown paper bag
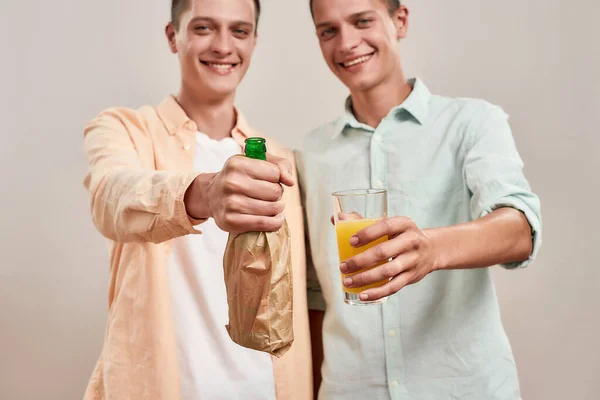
258	278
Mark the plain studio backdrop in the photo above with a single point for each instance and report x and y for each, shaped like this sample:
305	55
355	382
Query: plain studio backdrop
63	61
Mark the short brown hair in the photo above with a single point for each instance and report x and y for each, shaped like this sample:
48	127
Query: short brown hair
178	7
393	5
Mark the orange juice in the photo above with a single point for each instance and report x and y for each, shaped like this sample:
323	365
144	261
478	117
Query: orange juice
345	230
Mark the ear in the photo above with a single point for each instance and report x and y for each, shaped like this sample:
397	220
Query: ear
171	36
400	18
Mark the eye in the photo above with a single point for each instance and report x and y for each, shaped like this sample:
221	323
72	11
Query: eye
201	28
328	33
241	32
364	22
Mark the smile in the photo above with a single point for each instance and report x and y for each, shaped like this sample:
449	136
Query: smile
220	68
356	61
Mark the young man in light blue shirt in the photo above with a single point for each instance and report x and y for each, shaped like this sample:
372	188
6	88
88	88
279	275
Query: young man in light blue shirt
459	204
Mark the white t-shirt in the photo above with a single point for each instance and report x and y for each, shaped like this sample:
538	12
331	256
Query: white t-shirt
211	365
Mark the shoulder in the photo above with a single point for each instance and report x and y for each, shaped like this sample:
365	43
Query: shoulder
470	111
124	119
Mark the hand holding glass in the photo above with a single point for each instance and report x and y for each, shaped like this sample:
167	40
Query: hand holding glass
354	210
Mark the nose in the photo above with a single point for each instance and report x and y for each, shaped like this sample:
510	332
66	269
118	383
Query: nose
349	40
222	43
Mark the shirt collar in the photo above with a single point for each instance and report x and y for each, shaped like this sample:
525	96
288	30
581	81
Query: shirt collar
416	104
174	118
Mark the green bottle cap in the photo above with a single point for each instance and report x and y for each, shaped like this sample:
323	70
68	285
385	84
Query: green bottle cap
256	148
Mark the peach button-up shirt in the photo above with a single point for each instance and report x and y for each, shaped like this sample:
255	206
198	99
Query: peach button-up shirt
140	165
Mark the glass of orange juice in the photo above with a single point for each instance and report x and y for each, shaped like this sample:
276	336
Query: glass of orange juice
354	210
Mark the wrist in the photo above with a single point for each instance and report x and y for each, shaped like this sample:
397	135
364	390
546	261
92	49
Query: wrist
440	255
196	197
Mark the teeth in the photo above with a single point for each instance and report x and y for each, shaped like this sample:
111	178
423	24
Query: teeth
221	66
359	60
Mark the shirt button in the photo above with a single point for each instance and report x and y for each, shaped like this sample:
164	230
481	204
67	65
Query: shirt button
190	125
379	184
394	384
392	333
187	147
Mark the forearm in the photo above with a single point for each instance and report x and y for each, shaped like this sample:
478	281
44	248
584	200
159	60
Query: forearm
130	201
136	205
500	237
316	337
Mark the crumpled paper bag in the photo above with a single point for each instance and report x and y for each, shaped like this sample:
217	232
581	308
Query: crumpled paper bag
258	279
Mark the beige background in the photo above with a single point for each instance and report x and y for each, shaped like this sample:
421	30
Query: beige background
64	60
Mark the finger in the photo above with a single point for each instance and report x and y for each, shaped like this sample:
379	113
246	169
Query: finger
388	289
261	190
346	217
385	271
256	169
380	253
242	223
385	227
250	206
240	183
286	174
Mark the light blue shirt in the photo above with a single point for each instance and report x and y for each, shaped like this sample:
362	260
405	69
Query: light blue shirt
443	161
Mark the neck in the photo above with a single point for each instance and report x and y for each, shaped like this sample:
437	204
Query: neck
214	117
372	105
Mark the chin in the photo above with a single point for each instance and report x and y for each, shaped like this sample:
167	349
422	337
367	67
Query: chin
360	84
222	90
219	87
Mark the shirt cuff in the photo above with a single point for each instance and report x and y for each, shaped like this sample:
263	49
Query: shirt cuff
534	223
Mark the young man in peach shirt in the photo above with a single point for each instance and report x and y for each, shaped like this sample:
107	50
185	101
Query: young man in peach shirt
155	174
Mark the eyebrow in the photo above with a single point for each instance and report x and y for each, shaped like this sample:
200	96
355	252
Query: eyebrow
214	21
353	16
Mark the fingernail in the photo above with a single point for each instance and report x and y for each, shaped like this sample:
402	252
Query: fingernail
344	267
353	241
290	173
348	282
364	296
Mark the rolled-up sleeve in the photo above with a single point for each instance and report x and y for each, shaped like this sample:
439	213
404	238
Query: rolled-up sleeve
494	175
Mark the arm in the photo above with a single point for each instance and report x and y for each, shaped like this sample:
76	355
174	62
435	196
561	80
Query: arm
502	237
505	230
132	203
129	202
